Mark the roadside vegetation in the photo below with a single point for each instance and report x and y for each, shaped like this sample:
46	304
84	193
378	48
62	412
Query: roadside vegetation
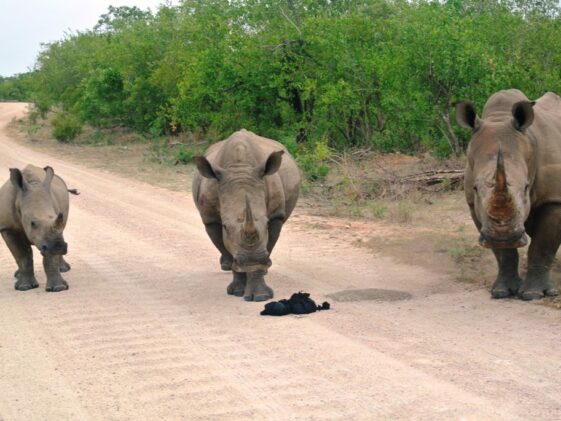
320	76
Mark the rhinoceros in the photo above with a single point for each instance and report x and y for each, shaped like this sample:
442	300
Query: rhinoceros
245	188
33	211
513	186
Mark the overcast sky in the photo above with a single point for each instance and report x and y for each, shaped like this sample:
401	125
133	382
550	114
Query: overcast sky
25	24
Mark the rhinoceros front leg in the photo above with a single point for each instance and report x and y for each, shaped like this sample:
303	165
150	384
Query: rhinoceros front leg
214	231
20	247
237	286
55	281
275	227
508	281
256	289
546	237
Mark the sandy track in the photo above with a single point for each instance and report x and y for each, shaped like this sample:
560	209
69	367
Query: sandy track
147	331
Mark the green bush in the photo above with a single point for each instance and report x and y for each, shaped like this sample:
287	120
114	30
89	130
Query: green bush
66	127
375	73
312	160
186	155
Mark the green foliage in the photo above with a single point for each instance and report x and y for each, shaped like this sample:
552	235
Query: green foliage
379	210
185	154
312	159
102	99
66	127
374	73
16	88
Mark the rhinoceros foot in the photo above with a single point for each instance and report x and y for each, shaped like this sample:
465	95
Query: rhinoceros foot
237	286
256	289
57	285
505	287
537	289
25	282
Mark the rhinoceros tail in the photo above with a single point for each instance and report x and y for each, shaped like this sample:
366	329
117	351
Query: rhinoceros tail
74	192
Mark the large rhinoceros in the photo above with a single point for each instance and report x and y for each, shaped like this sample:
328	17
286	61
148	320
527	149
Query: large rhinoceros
245	188
34	211
513	186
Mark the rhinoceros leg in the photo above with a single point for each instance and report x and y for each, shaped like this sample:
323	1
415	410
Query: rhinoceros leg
275	227
256	289
20	247
64	265
546	237
214	231
237	286
55	281
508	281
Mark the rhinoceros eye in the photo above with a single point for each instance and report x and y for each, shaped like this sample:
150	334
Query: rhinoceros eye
475	189
33	224
526	188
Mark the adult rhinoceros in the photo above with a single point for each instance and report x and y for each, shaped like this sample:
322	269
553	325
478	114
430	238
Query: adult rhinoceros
245	188
513	186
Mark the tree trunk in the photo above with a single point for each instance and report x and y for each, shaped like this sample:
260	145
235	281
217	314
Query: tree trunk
452	138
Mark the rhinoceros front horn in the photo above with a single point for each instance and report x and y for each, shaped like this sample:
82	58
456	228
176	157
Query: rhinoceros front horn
249	230
500	174
501	206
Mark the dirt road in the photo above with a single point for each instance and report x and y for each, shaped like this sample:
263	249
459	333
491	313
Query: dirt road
147	331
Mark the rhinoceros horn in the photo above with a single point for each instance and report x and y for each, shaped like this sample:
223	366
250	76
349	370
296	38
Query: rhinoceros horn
500	174
501	205
249	230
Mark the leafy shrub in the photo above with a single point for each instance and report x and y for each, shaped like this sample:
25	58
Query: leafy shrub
186	155
312	160
66	127
102	98
377	73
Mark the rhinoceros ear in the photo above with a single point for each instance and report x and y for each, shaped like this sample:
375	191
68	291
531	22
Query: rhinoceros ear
49	174
17	178
523	114
206	169
272	164
466	116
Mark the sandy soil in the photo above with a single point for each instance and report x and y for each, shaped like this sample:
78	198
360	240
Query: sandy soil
147	331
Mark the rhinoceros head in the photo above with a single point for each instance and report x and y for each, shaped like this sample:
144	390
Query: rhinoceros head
42	223
497	185
243	209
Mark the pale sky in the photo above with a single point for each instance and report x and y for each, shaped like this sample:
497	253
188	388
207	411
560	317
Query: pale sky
25	24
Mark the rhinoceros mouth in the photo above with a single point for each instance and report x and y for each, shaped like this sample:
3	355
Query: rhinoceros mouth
503	243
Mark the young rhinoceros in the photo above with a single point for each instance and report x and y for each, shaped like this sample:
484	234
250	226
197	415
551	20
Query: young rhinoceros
245	188
33	211
513	186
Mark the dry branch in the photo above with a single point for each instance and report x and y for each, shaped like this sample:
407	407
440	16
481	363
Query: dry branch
429	178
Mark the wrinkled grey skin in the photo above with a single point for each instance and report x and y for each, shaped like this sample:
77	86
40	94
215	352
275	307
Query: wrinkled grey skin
245	188
34	211
513	186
